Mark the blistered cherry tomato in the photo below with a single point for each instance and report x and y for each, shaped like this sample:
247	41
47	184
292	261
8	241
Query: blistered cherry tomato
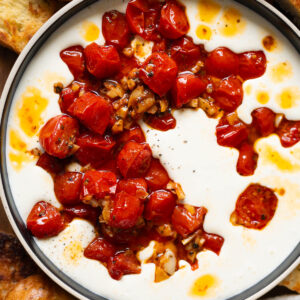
97	185
50	164
247	161
111	165
157	177
173	22
115	29
187	220
187	87
252	64
159	73
94	149
125	210
58	136
83	211
231	134
100	249
74	58
213	242
264	121
93	111
127	64
228	93
134	159
143	17
134	186
222	62
185	53
102	61
122	264
135	133
160	46
289	132
67	187
67	97
160	206
163	122
255	207
45	220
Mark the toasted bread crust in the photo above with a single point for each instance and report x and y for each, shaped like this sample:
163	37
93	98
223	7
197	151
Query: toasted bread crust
292	282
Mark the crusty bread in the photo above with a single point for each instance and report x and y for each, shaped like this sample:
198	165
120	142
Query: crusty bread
293	281
20	19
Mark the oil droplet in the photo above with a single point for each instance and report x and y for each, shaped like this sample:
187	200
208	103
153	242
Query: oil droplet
203	32
231	22
16	141
281	72
208	10
30	108
73	252
248	89
203	285
269	43
262	97
90	31
288	98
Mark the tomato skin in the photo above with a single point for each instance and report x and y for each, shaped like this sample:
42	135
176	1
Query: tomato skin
163	122
125	210
127	64
289	132
134	159
93	111
73	57
228	93
187	87
255	207
45	220
213	242
160	206
264	121
94	149
98	184
123	263
135	133
67	187
50	164
222	63
157	177
115	29
58	136
100	249
67	97
185	53
83	211
159	73
231	135
102	61
173	22
184	222
247	161
134	186
252	64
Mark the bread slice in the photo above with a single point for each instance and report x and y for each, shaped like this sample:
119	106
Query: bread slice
292	282
20	19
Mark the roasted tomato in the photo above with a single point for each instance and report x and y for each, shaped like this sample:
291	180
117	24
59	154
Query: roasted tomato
122	264
134	159
100	249
67	187
74	59
187	87
163	122
127	64
125	211
185	53
187	219
264	121
157	177
289	132
115	29
50	164
94	149
143	18
255	207
159	73
247	161
160	206
97	185
93	111
45	220
102	61
213	242
67	97
58	136
231	132
228	93
173	22
83	211
135	133
222	62
134	186
252	64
